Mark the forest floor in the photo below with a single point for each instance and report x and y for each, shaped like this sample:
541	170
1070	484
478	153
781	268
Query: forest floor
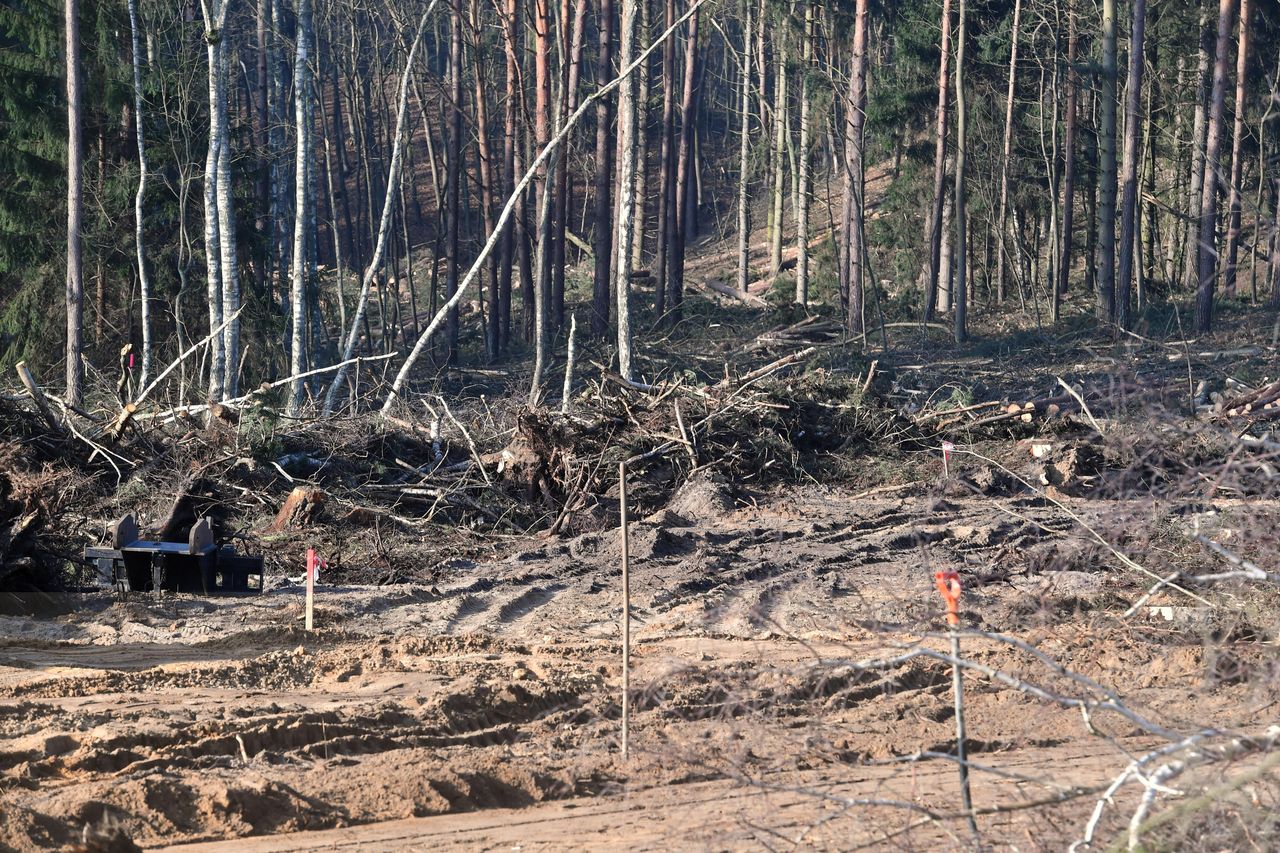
790	679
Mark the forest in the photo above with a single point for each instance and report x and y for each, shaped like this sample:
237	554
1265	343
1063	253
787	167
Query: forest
647	424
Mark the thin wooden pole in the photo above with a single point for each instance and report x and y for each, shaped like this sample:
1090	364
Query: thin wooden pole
311	584
626	611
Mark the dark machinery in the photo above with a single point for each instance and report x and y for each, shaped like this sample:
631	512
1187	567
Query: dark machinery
133	564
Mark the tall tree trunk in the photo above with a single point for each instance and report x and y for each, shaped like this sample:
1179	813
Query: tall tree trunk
487	178
507	248
1107	167
1002	217
75	206
684	169
227	224
1207	241
542	133
642	144
802	192
962	144
144	280
453	183
560	212
603	244
626	186
666	173
1195	189
780	134
263	140
1132	143
304	202
854	152
744	151
1069	167
933	283
215	12
1237	159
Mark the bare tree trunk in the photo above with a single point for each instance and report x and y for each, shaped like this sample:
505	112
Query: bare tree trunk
1069	169
642	146
507	252
1132	141
780	133
626	186
962	145
666	167
215	12
542	132
75	206
1207	245
144	280
453	183
603	244
1107	167
303	202
1237	160
560	213
1195	190
933	283
1002	217
227	225
684	169
802	192
854	149
744	150
487	177
945	278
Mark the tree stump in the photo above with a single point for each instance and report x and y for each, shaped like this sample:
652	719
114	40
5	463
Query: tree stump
302	508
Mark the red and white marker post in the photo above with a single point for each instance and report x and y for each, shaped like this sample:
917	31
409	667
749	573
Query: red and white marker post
947	449
313	572
948	584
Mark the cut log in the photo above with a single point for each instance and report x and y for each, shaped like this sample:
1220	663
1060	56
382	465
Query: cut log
733	292
37	396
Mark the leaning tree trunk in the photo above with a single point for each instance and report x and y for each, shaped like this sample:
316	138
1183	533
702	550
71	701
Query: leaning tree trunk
961	289
932	283
854	151
1237	164
1002	217
303	201
75	206
626	186
1132	143
388	204
1207	265
603	244
802	192
144	280
1107	167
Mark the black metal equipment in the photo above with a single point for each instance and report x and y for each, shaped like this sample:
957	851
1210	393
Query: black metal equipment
133	564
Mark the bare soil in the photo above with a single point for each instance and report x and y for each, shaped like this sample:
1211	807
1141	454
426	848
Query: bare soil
482	711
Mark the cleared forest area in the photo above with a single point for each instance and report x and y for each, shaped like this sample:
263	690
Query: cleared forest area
725	425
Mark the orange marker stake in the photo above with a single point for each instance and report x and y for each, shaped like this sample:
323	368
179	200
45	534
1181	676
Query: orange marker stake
948	584
311	583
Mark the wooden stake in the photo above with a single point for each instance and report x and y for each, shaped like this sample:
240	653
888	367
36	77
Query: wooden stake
311	584
626	612
948	583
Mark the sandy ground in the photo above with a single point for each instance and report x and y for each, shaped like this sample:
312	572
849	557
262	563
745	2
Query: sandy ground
483	712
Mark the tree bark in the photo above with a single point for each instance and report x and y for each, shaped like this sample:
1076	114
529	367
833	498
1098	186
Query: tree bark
1069	167
560	213
744	150
144	280
75	206
1106	276
1206	266
684	170
1237	159
1195	190
453	182
1132	143
856	123
626	186
666	167
1002	217
603	243
933	283
960	297
487	177
780	133
303	202
802	192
